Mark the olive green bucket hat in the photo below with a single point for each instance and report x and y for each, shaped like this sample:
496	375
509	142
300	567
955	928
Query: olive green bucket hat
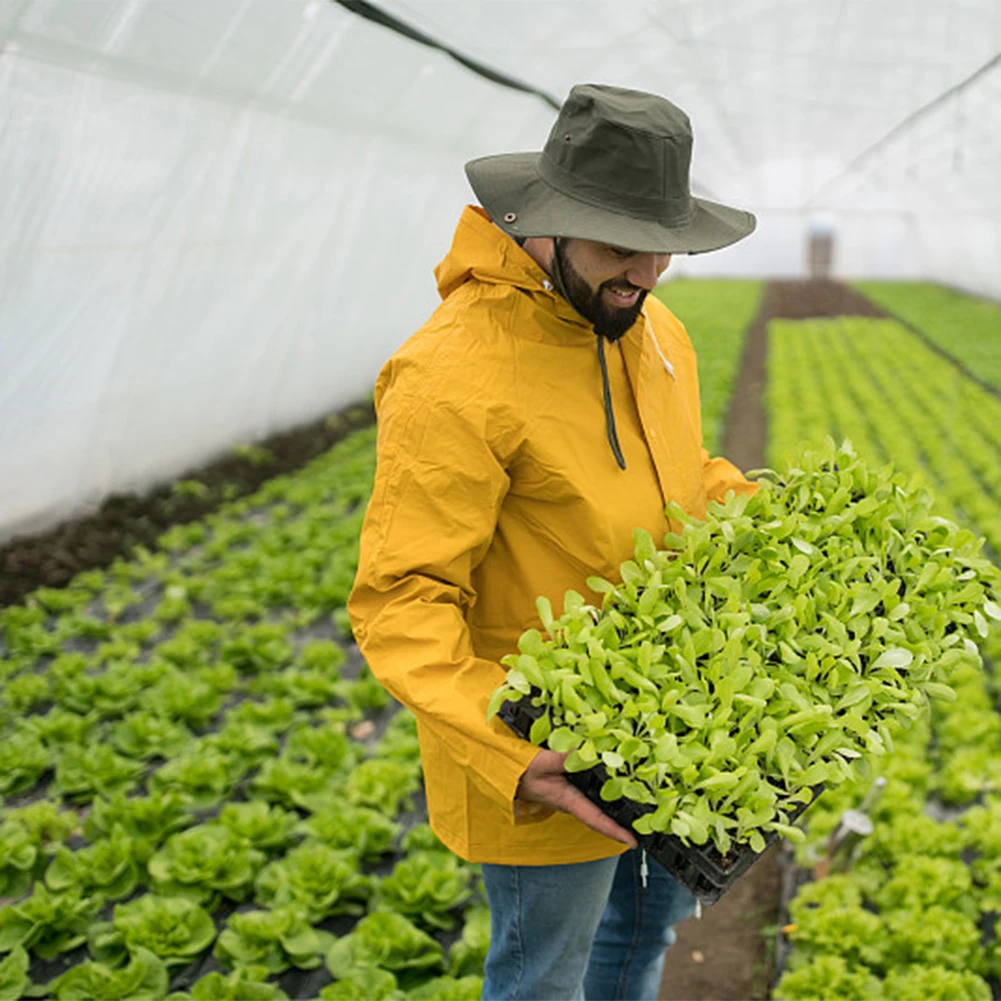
614	169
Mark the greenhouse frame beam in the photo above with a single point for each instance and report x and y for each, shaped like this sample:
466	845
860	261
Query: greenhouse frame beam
371	12
906	123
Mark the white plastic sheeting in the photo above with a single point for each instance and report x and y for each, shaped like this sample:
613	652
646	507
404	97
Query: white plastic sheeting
218	217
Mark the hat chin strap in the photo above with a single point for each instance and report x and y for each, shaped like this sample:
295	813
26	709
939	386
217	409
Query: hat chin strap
606	389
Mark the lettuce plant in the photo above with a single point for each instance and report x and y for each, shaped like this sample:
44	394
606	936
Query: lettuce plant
220	677
257	648
365	983
96	770
420	838
367	693
110	694
399	740
829	978
275	714
909	832
202	776
275	939
383	783
20	860
388	941
190	645
172	928
854	934
469	988
369	833
919	983
47	923
148	735
77	625
14	980
107	868
145	977
147	820
468	955
839	890
919	882
936	936
326	748
425	887
179	697
245	983
30	640
322	655
968	773
203	862
248	743
44	820
58	727
25	692
117	649
301	686
23	760
317	879
267	828
60	599
295	783
142	632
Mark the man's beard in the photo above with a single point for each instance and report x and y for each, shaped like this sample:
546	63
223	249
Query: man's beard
609	321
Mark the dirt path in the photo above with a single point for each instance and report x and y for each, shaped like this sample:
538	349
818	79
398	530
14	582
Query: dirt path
746	429
727	954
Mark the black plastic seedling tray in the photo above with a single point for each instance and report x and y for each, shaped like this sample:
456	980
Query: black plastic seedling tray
701	868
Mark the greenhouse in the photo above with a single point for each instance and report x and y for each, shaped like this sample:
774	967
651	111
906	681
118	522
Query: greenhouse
441	441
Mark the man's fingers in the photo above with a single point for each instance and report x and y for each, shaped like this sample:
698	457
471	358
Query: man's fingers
571	800
545	781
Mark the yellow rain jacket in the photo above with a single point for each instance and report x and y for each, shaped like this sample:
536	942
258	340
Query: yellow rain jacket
495	484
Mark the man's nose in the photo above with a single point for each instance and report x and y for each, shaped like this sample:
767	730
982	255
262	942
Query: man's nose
645	269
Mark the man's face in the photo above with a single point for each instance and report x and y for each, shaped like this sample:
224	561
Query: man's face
606	284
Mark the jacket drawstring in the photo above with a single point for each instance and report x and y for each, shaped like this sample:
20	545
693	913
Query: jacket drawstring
613	437
667	365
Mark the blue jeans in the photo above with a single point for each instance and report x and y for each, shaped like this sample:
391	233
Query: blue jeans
587	930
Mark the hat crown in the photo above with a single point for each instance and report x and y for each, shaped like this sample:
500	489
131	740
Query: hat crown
622	150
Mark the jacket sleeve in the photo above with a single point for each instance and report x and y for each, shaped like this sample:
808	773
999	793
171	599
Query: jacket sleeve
721	475
438	489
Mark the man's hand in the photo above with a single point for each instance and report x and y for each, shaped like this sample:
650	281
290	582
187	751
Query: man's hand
545	781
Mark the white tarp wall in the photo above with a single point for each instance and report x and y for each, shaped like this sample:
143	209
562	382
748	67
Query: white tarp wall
218	218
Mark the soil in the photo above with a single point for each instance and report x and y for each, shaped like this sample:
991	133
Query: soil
124	521
728	953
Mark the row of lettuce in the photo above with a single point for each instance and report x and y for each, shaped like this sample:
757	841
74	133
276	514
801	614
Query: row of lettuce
964	327
914	916
875	383
206	794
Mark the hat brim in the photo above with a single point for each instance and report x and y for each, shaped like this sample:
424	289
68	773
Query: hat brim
509	185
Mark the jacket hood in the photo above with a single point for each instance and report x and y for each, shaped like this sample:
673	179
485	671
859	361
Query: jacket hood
483	252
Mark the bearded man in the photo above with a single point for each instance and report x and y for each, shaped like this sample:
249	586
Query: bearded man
546	409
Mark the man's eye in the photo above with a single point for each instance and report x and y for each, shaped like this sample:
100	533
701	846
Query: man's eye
620	252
